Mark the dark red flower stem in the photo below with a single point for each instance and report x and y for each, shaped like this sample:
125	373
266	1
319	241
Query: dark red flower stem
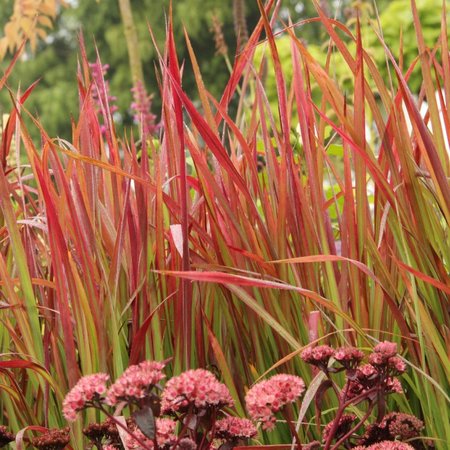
341	409
119	424
287	413
354	429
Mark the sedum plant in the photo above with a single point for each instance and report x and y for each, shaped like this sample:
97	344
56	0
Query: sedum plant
192	410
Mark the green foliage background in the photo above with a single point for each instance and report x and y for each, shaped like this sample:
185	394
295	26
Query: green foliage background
55	62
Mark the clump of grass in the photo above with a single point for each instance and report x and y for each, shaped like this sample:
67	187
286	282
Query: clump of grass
187	245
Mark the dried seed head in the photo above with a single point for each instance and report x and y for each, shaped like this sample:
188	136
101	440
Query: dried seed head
5	436
52	440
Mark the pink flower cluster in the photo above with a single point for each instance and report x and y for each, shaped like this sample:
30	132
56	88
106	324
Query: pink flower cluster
401	426
318	356
87	390
349	357
197	388
142	109
386	445
384	355
133	444
136	382
165	436
165	432
264	399
235	428
367	377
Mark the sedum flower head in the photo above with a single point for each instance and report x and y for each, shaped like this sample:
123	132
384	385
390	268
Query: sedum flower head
383	353
349	357
194	388
318	356
136	382
264	399
235	428
88	389
402	426
389	445
386	348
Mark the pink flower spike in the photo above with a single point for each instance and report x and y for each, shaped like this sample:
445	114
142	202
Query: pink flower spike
88	389
104	101
264	399
141	107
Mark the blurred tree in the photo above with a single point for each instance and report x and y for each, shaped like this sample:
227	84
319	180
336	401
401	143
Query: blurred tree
30	19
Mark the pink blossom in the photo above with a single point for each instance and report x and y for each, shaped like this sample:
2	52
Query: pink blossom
133	444
267	397
389	445
165	432
136	382
384	358
401	425
318	356
232	428
101	94
349	357
396	365
165	435
104	101
142	109
386	348
393	386
87	390
198	388
382	352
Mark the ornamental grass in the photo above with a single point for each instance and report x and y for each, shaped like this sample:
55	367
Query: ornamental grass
235	236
